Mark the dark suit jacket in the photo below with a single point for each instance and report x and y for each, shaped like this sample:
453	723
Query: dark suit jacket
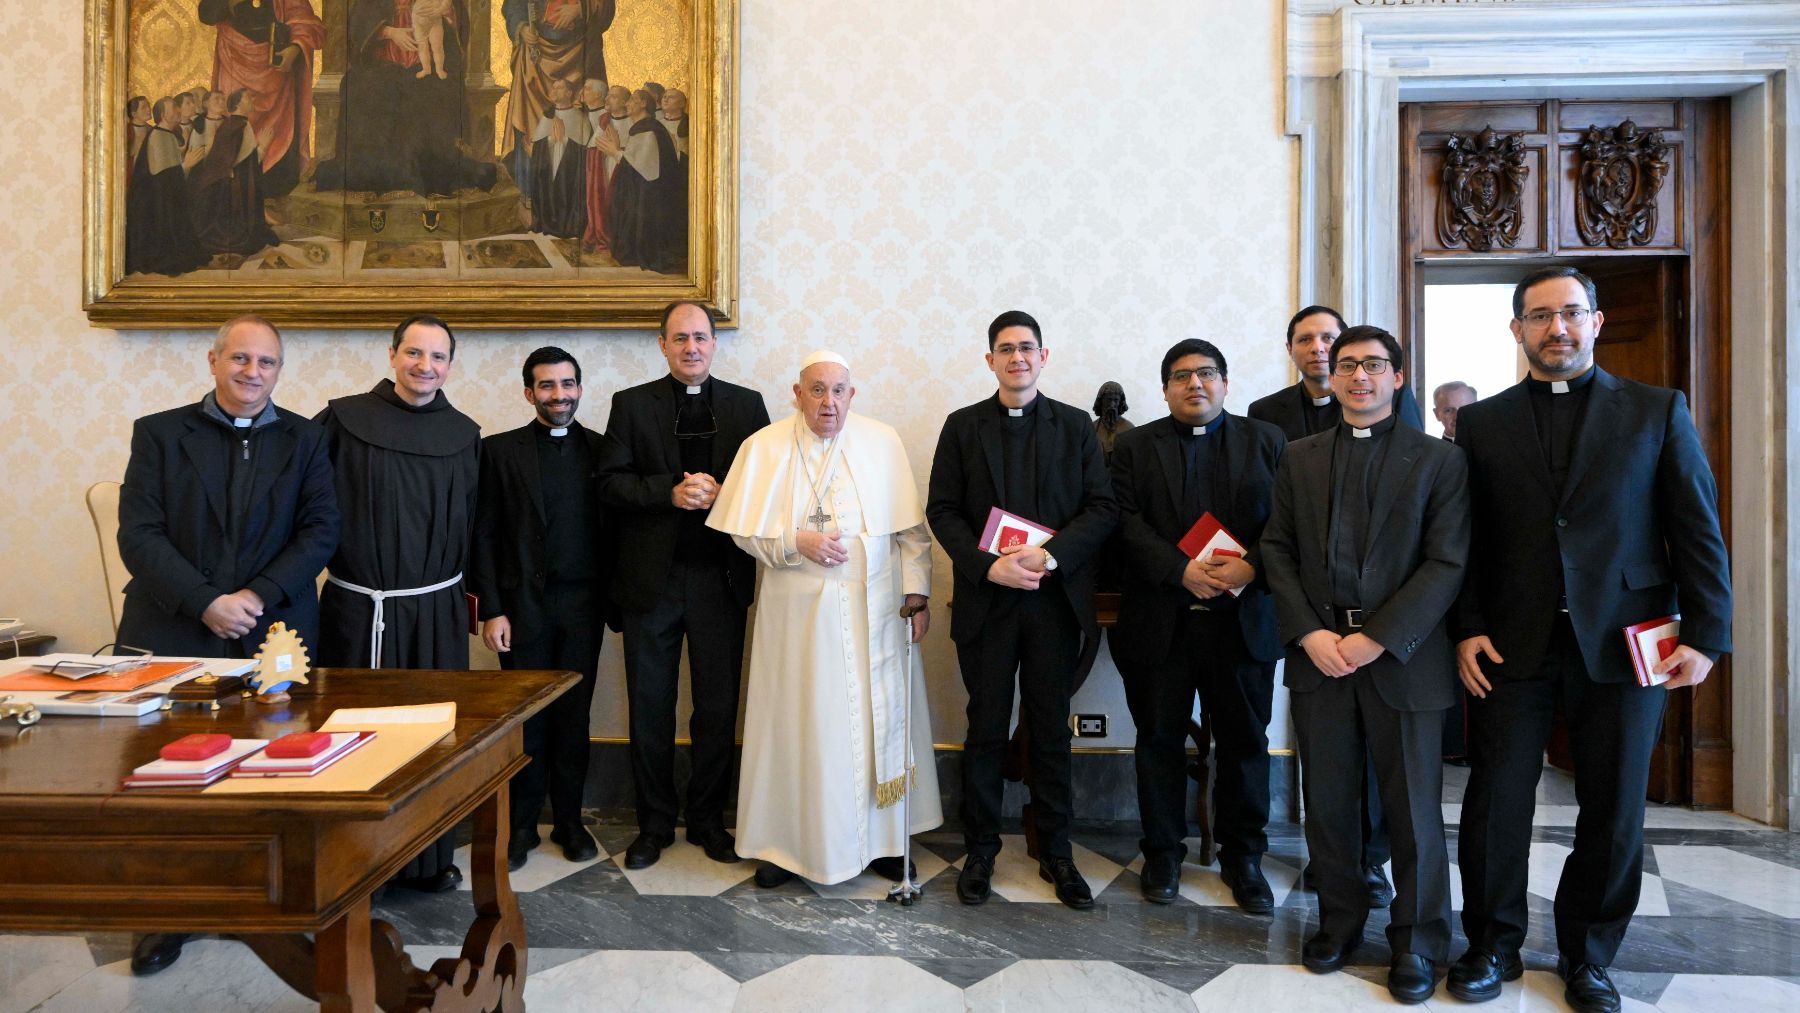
1074	497
1635	535
641	464
1286	410
172	530
509	558
1413	563
1147	476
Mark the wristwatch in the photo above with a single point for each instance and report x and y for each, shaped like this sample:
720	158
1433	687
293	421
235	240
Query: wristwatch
1049	561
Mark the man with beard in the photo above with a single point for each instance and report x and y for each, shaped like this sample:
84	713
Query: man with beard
407	465
540	562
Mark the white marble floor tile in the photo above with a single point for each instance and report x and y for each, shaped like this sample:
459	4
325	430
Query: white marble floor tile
849	983
1016	874
212	974
1072	986
1655	818
1249	987
868	886
1710	993
1202	885
685	871
545	865
632	980
34	968
1546	868
1746	879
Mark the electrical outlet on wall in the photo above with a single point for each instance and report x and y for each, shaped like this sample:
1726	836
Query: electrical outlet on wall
1088	726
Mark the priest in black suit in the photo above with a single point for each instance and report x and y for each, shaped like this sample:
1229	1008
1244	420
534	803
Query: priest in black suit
226	516
1306	408
1597	510
1365	551
1024	610
668	445
541	559
1204	624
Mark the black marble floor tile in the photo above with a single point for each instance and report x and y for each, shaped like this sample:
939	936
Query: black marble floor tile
962	972
744	966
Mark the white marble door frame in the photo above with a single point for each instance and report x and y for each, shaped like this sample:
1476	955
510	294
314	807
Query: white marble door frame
1349	65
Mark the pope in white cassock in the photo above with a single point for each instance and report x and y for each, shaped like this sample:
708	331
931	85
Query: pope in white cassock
826	503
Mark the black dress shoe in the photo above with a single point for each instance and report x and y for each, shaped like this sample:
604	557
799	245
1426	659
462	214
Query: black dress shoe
1586	988
1381	892
1248	887
1411	978
769	875
1478	973
974	884
438	882
1161	879
645	849
1325	953
889	868
1071	889
1307	883
156	951
716	842
577	844
519	848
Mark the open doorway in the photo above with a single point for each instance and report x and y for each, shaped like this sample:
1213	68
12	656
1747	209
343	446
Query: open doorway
1465	340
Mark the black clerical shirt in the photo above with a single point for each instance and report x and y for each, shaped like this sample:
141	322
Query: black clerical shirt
1018	460
239	445
1204	466
1318	417
1558	418
695	430
1355	470
566	478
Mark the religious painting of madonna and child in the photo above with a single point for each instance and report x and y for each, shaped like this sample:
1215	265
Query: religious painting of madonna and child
340	162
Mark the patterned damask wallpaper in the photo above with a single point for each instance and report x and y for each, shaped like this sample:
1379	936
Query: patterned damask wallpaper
908	171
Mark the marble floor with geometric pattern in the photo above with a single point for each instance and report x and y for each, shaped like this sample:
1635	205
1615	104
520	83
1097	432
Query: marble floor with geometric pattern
1718	930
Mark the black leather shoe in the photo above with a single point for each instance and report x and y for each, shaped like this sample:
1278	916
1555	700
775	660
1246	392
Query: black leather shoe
1306	883
1381	892
1071	889
156	951
1411	978
438	882
1478	973
889	868
645	849
1586	988
519	848
716	842
1248	887
769	875
1325	953
577	844
1161	879
974	884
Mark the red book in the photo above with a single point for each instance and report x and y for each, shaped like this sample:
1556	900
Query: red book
1005	529
298	745
197	746
1209	538
1648	643
474	604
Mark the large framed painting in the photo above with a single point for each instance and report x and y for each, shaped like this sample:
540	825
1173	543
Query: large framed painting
503	163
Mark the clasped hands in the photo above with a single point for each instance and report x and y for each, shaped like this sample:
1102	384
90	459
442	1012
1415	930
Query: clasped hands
695	491
230	616
1690	666
1211	577
1338	656
1019	566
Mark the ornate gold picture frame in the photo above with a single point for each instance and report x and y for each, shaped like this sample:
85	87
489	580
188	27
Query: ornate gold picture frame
339	163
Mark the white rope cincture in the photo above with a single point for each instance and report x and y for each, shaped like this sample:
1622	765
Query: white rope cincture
380	596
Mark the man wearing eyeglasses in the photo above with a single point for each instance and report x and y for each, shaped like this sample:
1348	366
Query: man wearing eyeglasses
226	516
1365	550
1024	609
1204	624
668	445
1597	511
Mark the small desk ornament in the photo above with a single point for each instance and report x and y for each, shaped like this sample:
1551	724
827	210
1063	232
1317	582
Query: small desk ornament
280	663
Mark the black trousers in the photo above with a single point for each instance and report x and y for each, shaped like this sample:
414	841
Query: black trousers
696	604
566	633
1612	729
1208	656
1033	634
1339	724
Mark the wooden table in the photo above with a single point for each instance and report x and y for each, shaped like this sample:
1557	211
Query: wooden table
77	854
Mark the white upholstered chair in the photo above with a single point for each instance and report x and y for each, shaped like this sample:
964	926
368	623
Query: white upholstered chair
103	506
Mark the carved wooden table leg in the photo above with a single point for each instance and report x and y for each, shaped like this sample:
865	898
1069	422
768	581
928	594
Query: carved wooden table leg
345	971
490	974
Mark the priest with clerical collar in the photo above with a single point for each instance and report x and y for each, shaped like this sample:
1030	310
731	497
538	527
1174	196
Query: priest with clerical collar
826	503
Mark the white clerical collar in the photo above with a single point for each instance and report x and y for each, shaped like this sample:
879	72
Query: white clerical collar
1320	402
691	389
564	431
1361	434
1559	386
242	423
1015	412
